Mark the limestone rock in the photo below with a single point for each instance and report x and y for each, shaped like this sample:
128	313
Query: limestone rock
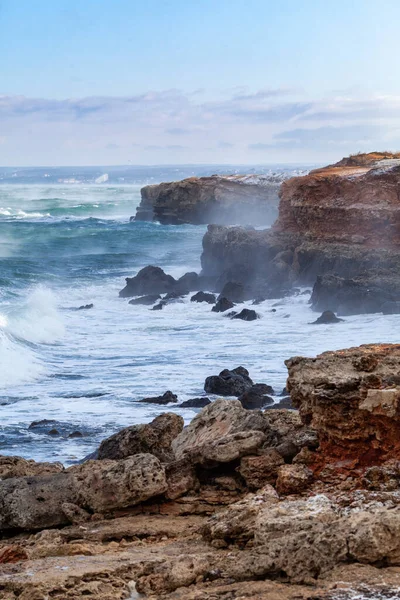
15	466
154	438
260	470
216	421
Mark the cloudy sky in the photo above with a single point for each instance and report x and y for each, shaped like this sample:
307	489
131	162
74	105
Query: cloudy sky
101	82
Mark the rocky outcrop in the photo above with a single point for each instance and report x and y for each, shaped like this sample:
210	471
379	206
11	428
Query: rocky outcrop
352	399
226	200
343	220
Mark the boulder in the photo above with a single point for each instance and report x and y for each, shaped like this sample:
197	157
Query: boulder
222	305
99	486
152	438
145	300
203	297
181	478
149	280
166	398
247	314
212	431
229	383
327	318
189	282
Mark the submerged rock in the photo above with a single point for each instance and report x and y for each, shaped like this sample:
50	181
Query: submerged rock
145	300
229	383
85	307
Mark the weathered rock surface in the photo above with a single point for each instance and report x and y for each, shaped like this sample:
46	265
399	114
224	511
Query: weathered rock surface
99	486
217	429
153	438
15	466
225	200
351	397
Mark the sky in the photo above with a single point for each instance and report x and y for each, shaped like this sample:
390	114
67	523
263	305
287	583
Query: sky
107	82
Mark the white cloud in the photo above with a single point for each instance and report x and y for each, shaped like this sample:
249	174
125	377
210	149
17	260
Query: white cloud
167	126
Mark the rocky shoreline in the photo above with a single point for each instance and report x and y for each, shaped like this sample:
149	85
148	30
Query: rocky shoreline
276	503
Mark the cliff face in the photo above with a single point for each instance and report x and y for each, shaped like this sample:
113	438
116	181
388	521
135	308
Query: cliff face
345	204
223	200
342	219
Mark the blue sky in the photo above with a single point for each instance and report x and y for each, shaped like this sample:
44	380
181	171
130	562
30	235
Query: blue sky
168	81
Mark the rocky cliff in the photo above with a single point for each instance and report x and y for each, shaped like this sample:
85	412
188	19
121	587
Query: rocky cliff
226	200
342	219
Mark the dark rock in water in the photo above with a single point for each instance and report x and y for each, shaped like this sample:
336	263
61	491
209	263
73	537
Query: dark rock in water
327	317
254	399
155	438
222	305
231	314
229	383
391	308
75	434
284	392
285	402
53	432
258	300
166	398
196	403
203	297
150	280
263	388
86	306
41	423
233	291
159	306
188	282
145	300
247	315
176	295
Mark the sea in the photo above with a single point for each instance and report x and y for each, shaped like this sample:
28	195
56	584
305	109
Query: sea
67	241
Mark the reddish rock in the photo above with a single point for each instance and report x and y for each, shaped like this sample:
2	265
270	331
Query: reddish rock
259	470
12	554
352	398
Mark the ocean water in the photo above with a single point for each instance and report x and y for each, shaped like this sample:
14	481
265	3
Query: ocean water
62	246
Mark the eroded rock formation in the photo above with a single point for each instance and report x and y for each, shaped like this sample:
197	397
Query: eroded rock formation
343	219
227	200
